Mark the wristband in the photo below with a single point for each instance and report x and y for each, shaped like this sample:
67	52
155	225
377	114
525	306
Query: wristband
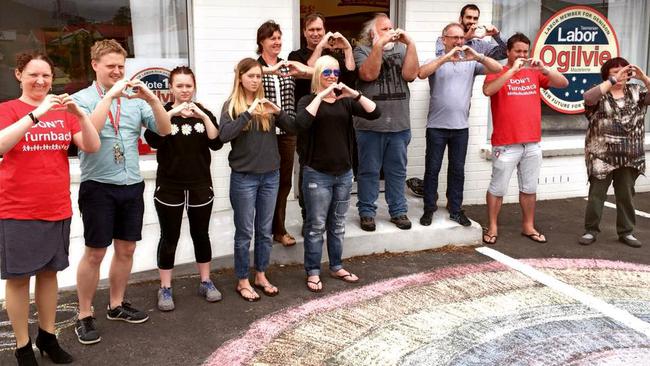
34	119
612	79
481	58
356	99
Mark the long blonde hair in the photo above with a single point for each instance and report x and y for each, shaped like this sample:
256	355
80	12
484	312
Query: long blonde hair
319	65
237	100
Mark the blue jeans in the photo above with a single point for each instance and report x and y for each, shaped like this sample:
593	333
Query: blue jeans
437	140
379	150
327	198
252	197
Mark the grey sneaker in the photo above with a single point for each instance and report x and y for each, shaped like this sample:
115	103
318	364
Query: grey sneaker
630	240
165	299
587	239
207	290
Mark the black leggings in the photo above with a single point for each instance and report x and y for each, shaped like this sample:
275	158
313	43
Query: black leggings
170	203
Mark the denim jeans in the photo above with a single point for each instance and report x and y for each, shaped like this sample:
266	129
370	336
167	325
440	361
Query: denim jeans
379	150
252	197
437	140
327	198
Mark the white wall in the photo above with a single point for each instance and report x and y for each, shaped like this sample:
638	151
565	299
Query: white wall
224	33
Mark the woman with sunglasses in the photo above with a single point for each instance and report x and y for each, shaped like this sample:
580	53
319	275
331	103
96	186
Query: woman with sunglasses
248	121
279	87
325	123
35	209
183	182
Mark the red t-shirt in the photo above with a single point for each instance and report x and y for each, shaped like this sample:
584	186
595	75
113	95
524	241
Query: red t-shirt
35	174
516	108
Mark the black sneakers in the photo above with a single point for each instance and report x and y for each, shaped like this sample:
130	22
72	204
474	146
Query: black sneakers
427	217
126	313
86	331
368	223
401	222
460	218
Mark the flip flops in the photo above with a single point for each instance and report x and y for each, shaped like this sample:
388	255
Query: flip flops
345	277
240	292
491	239
314	283
536	237
264	288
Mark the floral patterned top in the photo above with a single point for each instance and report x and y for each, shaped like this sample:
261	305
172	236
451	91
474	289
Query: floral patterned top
184	155
616	131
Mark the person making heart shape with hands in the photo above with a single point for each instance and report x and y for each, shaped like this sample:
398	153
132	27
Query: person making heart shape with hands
248	122
184	182
35	209
325	118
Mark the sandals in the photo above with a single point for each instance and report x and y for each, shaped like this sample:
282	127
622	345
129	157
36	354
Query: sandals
265	289
345	277
491	239
317	283
536	237
286	240
240	291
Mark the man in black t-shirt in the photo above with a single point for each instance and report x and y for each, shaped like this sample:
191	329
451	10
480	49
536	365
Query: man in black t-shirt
319	43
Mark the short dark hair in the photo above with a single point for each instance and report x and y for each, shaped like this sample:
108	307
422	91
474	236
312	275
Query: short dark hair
469	7
265	31
23	58
611	64
309	18
517	37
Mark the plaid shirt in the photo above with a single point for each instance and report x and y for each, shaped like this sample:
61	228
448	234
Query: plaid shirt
287	90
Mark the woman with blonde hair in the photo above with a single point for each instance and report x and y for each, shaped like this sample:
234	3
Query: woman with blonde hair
325	123
248	121
35	209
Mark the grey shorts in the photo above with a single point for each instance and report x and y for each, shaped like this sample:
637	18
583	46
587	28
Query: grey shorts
527	158
30	246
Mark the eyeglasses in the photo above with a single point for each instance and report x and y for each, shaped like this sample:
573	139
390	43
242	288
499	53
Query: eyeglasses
328	72
455	38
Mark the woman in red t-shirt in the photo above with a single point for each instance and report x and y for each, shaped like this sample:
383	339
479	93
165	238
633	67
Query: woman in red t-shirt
35	133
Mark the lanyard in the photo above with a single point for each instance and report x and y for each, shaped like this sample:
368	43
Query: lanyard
114	121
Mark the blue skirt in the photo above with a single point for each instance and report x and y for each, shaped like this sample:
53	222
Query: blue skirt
30	246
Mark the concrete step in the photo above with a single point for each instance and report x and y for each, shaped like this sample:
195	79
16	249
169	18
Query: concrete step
386	238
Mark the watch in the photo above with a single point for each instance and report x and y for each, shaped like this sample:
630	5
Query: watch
34	119
356	99
612	80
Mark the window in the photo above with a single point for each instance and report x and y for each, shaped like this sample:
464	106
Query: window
629	18
150	31
344	16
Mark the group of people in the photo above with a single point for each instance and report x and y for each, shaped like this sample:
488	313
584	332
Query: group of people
328	101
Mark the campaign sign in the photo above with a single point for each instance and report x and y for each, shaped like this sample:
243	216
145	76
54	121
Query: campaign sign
156	79
575	41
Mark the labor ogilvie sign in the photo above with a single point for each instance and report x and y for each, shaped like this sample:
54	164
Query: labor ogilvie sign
575	41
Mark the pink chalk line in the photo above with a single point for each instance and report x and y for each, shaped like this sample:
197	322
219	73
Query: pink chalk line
240	351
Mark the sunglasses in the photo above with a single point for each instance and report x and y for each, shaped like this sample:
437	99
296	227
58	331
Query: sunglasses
328	72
